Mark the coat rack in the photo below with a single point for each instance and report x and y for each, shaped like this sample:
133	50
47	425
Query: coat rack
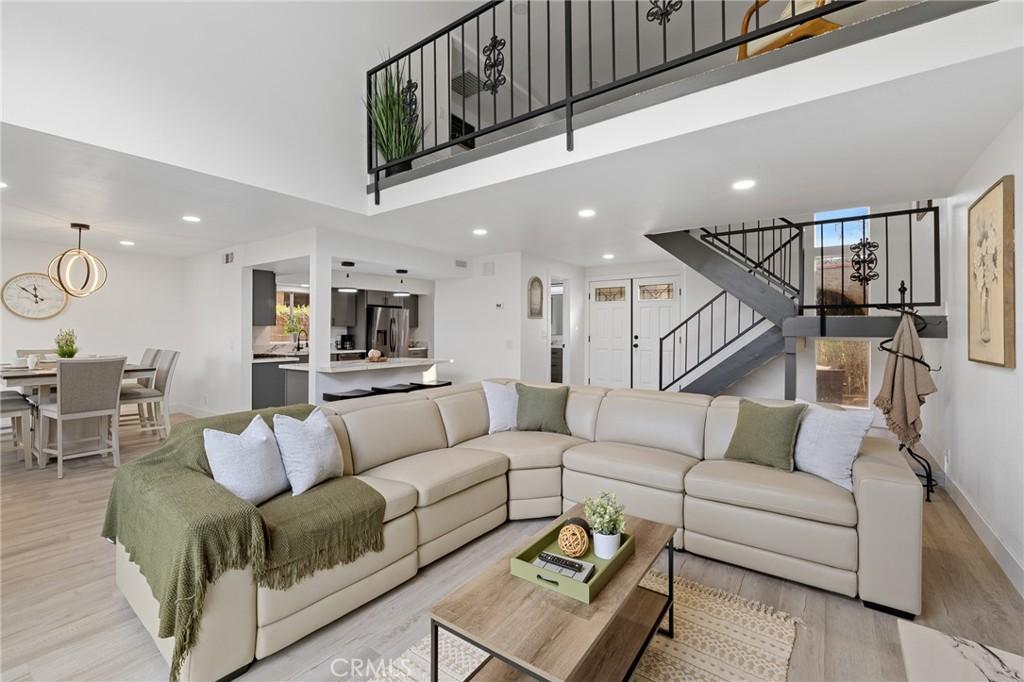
927	479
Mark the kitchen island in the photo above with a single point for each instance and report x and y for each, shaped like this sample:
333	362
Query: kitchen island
347	375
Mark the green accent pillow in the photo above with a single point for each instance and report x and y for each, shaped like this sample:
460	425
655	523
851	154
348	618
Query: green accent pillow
542	409
765	435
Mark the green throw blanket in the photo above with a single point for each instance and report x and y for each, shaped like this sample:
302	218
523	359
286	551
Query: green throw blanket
184	530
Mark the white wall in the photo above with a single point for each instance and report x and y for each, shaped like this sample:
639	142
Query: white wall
985	404
142	305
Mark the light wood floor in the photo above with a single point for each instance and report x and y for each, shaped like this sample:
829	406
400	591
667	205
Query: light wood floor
62	618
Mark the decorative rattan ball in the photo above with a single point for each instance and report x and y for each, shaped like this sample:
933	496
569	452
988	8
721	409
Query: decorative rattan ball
573	540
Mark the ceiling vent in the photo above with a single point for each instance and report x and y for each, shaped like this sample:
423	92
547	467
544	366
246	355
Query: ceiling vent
467	84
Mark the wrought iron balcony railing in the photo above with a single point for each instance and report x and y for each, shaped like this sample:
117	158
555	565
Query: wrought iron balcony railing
510	61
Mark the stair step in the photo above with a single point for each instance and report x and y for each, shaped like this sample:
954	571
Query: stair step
747	359
858	326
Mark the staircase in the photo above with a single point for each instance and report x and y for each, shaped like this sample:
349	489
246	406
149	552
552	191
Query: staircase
763	309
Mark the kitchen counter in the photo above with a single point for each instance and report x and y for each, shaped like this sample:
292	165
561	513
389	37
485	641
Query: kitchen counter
346	366
281	359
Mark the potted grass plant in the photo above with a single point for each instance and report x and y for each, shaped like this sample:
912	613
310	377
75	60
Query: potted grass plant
393	116
607	518
66	342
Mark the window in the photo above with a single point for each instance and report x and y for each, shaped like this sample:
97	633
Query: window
609	294
656	292
842	369
843	230
288	302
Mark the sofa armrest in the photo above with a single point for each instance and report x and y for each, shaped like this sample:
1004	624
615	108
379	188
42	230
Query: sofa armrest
889	526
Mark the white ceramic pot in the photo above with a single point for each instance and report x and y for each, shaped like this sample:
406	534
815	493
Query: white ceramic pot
605	546
33	361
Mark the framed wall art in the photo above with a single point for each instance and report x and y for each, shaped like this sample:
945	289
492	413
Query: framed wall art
990	278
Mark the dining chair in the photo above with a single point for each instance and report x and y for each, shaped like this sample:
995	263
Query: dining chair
87	388
144	414
17	408
25	352
154	398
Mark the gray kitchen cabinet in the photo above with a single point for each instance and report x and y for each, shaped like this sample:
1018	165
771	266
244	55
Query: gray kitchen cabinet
343	309
377	298
264	298
412	304
268	385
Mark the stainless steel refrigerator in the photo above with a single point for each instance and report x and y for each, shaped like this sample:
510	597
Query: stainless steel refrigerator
387	330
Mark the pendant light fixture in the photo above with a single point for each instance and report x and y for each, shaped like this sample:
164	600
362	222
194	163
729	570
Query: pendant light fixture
60	269
348	289
401	283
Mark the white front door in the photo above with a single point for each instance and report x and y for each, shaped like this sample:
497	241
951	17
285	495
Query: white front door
610	329
656	312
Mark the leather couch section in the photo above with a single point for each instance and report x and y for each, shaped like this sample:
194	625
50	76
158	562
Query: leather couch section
453	511
227	631
385	433
534	509
790	568
526	449
449	542
439	473
399	540
273	637
399	498
651	467
464	415
529	484
821	543
759	487
665	421
649	503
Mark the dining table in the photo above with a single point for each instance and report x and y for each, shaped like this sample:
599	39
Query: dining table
44	378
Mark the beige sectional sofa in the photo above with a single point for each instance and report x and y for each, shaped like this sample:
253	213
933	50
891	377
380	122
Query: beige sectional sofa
446	481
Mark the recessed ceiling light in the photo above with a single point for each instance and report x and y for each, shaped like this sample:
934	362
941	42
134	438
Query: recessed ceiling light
347	290
479	232
190	218
304	286
586	213
608	256
125	242
743	184
3	185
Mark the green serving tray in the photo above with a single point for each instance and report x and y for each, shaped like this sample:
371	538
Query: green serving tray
586	592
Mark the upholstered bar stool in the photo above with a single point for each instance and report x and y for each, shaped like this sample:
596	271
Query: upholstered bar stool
394	388
87	388
347	395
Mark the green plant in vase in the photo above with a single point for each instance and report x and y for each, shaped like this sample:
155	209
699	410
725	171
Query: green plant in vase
392	109
65	342
607	518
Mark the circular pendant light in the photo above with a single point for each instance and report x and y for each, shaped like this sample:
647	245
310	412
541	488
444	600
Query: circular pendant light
77	271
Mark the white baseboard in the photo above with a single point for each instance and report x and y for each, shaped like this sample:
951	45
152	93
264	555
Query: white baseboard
1013	570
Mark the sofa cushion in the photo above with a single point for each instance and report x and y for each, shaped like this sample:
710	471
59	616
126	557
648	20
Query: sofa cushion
526	449
791	493
464	414
765	435
646	466
391	431
399	498
581	408
436	474
668	421
721	422
542	409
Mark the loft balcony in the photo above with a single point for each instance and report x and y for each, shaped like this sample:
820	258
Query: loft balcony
513	72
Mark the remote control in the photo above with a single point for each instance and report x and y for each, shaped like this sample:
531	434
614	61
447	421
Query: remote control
550	558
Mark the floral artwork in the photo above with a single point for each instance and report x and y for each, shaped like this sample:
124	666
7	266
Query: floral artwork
535	299
990	300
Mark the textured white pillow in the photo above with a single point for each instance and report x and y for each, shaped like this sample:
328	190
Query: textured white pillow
502	405
309	449
248	464
828	442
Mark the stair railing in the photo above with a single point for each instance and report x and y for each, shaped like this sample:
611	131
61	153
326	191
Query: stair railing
698	338
772	252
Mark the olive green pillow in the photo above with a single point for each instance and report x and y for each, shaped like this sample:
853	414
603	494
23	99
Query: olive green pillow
542	409
765	435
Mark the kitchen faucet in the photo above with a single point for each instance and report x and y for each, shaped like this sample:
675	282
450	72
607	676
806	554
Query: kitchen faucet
298	339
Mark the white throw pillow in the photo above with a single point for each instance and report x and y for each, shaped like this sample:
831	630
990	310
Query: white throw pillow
248	464
502	405
829	440
309	449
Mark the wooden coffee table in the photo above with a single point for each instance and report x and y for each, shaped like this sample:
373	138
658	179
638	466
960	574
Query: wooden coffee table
534	633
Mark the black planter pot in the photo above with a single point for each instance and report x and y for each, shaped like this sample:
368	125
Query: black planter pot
400	168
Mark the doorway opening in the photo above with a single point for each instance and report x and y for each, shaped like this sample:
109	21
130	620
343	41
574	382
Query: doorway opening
560	329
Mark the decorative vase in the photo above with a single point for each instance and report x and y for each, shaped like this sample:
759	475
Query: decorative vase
986	326
605	546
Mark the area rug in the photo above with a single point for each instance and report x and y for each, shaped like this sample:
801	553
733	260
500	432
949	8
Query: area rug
933	656
719	636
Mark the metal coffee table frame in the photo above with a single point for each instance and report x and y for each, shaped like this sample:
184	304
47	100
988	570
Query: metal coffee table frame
669	632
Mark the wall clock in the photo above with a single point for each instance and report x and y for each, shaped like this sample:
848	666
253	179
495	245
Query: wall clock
32	295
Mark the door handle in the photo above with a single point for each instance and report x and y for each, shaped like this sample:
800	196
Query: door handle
636	337
636	345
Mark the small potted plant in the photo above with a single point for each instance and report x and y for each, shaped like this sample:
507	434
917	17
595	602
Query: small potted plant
607	518
65	341
394	117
